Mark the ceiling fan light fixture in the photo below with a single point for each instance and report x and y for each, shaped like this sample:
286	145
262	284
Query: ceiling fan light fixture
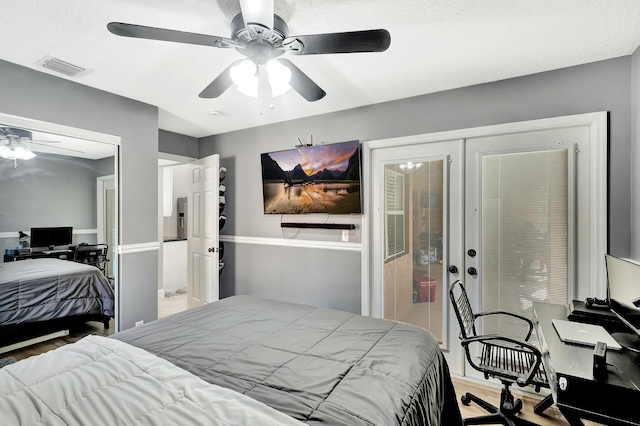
279	77
245	76
16	151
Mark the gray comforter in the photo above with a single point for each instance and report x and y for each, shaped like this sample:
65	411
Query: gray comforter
319	366
44	289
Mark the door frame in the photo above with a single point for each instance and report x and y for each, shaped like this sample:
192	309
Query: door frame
597	122
101	189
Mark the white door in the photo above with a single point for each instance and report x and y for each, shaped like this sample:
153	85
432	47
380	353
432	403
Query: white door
203	231
418	213
527	223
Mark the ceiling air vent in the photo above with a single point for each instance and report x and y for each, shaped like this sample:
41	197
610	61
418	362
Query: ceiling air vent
63	67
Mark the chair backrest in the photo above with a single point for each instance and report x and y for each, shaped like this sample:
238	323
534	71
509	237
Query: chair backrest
462	308
92	254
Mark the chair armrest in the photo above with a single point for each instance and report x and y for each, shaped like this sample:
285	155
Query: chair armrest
511	314
524	379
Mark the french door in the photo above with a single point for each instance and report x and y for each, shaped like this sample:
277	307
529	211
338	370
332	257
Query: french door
419	214
515	215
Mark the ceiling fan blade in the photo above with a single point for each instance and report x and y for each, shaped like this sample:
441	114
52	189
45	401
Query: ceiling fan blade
153	33
221	83
302	84
35	140
258	12
349	42
57	147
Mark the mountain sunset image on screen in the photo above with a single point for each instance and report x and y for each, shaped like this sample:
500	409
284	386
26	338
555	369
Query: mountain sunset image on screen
313	179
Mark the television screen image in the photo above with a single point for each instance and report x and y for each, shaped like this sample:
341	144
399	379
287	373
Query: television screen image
313	179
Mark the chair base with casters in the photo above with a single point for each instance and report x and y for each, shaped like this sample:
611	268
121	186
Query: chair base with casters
508	359
506	414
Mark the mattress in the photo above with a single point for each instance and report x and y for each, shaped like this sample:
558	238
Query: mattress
44	289
319	366
100	381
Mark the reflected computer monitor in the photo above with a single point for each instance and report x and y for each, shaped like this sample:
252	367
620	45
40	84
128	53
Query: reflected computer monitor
623	294
57	237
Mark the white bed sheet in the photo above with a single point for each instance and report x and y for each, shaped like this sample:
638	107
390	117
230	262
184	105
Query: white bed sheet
101	381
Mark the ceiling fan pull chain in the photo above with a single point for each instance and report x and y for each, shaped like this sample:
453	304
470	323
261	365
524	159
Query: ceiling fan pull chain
265	95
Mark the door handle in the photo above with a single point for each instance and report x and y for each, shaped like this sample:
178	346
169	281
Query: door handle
453	269
472	271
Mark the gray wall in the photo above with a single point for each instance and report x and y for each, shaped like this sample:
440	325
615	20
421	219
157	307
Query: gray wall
600	86
50	190
635	158
31	94
177	144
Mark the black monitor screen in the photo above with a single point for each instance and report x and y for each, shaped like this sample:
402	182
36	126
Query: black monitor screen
624	290
47	237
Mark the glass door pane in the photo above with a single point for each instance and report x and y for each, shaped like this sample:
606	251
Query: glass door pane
414	227
524	234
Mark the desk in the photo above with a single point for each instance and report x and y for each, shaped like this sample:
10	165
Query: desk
570	371
66	255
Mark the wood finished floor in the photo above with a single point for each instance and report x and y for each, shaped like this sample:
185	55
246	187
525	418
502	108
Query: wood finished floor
551	417
74	335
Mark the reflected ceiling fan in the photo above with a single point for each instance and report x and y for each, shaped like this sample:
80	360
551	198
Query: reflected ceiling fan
262	37
16	147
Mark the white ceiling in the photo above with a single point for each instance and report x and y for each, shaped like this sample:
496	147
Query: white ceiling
435	45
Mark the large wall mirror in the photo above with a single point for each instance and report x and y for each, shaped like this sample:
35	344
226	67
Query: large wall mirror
57	198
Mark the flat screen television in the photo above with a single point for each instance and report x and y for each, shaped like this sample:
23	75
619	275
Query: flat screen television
313	179
51	238
623	294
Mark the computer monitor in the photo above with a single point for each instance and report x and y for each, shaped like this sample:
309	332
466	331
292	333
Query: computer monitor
52	237
623	294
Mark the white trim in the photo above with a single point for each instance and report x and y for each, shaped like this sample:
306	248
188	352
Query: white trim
365	290
593	119
48	127
138	248
283	242
599	204
39	339
85	231
597	121
161	293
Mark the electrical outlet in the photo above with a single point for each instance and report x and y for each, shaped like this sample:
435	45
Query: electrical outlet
345	235
139	323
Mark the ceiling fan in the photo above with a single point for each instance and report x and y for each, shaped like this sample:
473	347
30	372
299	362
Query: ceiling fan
263	37
16	149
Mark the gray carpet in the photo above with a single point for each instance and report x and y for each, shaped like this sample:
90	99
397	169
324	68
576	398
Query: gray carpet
6	361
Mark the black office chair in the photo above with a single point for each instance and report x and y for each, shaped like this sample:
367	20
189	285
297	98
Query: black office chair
505	358
92	254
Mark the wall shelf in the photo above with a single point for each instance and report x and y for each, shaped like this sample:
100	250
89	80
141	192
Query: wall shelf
343	226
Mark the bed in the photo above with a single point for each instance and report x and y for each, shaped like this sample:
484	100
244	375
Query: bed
318	366
239	361
100	381
38	294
